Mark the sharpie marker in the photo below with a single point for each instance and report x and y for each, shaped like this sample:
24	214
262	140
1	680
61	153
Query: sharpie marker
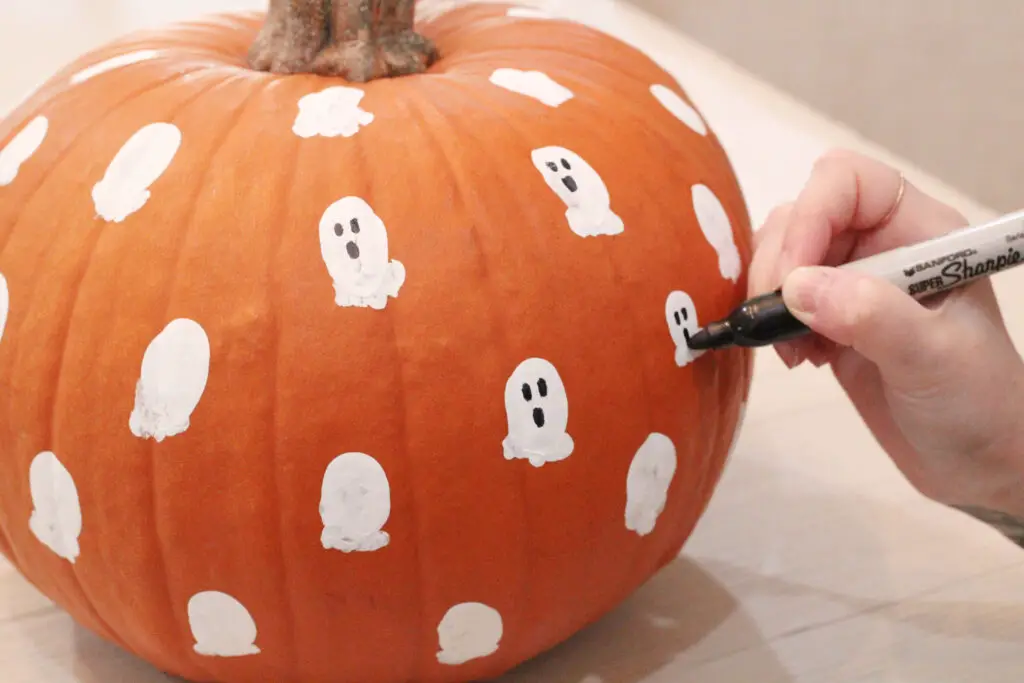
921	270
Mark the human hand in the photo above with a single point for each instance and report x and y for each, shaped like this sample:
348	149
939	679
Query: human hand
938	383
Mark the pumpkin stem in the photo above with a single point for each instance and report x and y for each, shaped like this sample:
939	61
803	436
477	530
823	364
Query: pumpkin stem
359	40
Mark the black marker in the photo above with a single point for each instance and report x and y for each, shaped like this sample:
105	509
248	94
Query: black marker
921	270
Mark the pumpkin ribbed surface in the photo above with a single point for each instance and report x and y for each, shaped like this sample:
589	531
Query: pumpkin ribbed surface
303	382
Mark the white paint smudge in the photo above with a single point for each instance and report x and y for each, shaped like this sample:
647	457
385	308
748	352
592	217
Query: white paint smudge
125	187
582	190
529	13
56	519
5	305
681	316
175	368
354	247
535	84
355	503
113	63
714	223
331	112
468	631
537	410
21	148
647	483
679	108
221	626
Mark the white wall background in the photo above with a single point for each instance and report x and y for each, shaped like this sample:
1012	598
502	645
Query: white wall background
940	82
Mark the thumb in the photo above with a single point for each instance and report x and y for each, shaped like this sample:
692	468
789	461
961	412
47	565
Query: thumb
907	341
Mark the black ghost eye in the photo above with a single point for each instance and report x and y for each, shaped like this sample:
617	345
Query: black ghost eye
339	229
527	392
553	166
565	165
354	224
678	321
686	314
542	387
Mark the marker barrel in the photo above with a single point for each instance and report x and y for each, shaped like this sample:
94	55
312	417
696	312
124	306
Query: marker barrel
921	270
950	260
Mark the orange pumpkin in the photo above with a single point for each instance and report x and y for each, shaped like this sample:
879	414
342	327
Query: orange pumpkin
306	382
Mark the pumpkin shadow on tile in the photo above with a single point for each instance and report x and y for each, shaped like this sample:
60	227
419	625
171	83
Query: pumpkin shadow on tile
97	661
679	616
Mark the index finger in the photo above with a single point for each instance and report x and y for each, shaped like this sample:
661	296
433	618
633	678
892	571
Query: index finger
851	192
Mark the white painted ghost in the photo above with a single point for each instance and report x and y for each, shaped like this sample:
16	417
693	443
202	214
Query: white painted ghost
118	62
535	84
681	316
577	184
221	626
56	519
647	483
21	148
714	223
355	503
331	112
354	246
679	108
175	369
537	410
125	186
468	631
5	305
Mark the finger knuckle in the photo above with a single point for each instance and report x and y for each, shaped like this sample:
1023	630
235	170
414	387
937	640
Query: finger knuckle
779	214
837	156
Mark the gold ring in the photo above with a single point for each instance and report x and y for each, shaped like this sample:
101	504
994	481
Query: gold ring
896	204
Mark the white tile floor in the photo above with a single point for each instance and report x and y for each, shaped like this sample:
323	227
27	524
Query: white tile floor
815	562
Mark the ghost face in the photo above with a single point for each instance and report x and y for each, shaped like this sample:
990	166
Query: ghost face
354	246
582	190
537	410
681	316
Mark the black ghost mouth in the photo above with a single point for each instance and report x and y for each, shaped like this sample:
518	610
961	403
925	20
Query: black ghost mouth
353	250
686	336
570	183
538	417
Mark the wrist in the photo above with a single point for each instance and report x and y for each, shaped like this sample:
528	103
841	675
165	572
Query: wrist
1009	491
1007	494
1002	506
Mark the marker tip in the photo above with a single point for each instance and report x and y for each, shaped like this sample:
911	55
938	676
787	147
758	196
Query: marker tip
715	336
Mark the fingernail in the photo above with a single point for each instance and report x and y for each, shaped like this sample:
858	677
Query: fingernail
818	358
802	289
789	354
